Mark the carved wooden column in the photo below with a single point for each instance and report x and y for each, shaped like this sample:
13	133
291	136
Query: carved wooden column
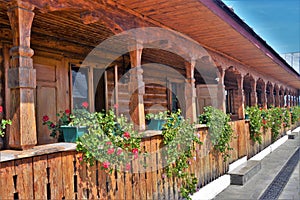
221	90
277	101
264	96
136	87
190	92
253	93
241	109
22	78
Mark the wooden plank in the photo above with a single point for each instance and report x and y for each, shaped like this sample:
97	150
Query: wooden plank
148	168
40	178
92	182
121	185
154	166
24	172
142	181
111	180
82	186
102	179
7	188
55	176
68	174
160	170
128	185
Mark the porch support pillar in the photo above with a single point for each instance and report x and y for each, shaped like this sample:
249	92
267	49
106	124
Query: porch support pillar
241	97
264	96
277	102
221	90
253	93
190	92
21	78
136	87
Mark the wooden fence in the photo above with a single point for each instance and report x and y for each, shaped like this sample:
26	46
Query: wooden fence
63	176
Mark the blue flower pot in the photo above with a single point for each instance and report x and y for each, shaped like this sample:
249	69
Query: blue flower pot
156	124
71	133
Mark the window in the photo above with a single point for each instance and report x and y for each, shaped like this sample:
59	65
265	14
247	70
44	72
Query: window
229	101
247	98
79	86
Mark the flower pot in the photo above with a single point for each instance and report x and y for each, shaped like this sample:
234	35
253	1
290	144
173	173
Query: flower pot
156	124
246	116
71	133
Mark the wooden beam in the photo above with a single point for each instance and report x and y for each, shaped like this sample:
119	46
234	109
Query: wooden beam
136	87
190	92
22	78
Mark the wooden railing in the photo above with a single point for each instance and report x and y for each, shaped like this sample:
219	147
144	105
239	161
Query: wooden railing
63	176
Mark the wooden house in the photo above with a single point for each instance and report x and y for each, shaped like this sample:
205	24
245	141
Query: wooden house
47	66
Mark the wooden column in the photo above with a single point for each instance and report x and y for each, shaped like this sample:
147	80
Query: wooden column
22	78
136	88
277	101
241	109
221	90
264	96
253	93
190	92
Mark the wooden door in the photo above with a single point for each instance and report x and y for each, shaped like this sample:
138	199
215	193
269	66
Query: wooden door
52	93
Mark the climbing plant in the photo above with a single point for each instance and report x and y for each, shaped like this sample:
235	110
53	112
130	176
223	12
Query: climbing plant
219	129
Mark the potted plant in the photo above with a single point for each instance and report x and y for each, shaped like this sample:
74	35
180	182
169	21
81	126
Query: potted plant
3	125
156	121
70	126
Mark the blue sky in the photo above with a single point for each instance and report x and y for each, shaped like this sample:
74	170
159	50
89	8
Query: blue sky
276	21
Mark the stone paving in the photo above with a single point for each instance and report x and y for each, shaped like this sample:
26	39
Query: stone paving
271	166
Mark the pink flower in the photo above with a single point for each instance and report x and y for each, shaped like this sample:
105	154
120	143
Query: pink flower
45	118
128	167
110	151
136	156
163	176
1	109
135	151
85	104
80	158
105	164
195	158
126	135
108	143
67	111
119	152
52	125
116	106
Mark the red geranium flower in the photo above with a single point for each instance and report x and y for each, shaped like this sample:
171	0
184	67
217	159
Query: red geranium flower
52	125
126	135
1	109
128	167
108	143
105	164
45	118
135	151
67	111
85	104
119	151
110	151
116	106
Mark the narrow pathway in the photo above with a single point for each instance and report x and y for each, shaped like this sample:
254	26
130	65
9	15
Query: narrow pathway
271	166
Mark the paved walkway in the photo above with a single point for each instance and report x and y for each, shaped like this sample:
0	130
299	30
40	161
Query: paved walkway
271	166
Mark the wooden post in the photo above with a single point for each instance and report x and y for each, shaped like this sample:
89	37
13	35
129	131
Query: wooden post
221	90
277	101
190	92
21	78
136	87
241	109
264	96
253	93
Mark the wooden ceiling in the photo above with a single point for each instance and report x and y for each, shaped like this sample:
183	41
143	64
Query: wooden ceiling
65	31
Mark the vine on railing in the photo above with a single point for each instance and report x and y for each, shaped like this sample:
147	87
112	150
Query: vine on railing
179	137
219	129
